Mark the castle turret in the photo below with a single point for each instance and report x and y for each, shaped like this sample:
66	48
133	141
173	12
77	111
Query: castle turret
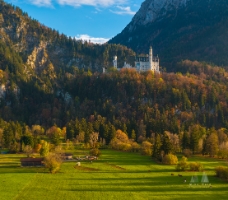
151	58
115	62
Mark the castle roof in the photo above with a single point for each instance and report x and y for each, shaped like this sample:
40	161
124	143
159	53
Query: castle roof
142	59
146	59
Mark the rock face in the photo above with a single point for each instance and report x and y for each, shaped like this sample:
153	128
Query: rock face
153	9
178	30
38	57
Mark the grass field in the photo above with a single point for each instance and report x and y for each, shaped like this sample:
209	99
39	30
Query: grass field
116	175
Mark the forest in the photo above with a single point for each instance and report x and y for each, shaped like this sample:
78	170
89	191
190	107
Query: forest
171	112
68	98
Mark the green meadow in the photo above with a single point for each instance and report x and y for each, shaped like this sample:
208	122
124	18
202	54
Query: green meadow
116	175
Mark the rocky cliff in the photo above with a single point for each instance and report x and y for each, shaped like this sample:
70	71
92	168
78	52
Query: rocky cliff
154	9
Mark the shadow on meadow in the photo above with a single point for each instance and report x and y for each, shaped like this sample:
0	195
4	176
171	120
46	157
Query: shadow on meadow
125	160
20	170
3	164
143	187
132	181
152	180
162	189
127	171
11	156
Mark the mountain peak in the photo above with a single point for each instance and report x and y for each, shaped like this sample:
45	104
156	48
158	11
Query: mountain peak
179	29
153	9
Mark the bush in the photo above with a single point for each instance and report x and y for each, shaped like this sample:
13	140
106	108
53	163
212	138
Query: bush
195	166
53	162
85	146
182	164
122	146
146	148
170	159
187	153
221	172
222	153
44	150
135	147
95	152
28	150
126	147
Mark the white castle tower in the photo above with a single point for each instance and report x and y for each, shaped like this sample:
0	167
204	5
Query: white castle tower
151	58
115	62
147	63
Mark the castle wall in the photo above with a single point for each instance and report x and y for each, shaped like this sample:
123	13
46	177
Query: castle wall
142	63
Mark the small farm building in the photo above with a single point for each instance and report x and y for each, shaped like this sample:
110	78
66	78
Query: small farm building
32	162
68	156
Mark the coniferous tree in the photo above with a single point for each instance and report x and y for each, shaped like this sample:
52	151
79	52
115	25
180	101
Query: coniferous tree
166	144
133	135
88	131
212	144
157	146
8	136
185	140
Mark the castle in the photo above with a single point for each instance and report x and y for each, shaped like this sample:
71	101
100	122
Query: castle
142	64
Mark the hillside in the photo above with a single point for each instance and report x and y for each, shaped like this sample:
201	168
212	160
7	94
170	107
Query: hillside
40	46
192	103
37	53
179	30
165	101
43	82
34	61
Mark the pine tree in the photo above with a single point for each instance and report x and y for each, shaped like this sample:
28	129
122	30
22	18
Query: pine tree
88	131
211	144
157	146
186	140
112	132
194	141
166	144
70	131
133	135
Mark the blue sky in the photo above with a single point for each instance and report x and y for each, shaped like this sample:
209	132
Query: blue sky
97	20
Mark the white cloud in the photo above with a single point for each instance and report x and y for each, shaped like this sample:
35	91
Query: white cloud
46	3
123	10
77	3
91	39
118	6
102	3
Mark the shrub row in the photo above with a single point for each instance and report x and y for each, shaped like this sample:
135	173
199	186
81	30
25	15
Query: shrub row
183	165
195	166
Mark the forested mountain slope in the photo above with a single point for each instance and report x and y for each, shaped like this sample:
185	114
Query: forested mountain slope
34	54
34	61
41	47
166	101
178	30
189	105
43	82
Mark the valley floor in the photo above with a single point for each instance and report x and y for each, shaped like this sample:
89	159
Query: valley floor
116	175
